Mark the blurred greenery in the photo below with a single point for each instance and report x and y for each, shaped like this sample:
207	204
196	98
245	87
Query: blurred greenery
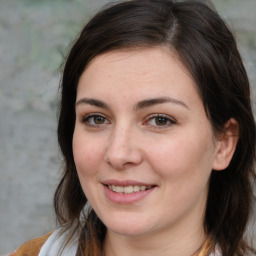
48	28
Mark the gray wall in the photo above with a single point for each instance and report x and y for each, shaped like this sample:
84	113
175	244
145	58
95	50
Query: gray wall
34	35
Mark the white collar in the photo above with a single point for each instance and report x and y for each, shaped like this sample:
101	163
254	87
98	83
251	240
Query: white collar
54	245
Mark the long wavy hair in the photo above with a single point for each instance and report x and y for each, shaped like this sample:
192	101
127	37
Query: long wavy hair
207	48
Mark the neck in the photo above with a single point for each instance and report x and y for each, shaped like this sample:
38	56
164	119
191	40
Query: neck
176	244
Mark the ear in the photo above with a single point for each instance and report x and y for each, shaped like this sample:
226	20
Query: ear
226	145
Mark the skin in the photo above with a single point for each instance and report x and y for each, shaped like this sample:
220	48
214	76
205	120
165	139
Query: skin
123	140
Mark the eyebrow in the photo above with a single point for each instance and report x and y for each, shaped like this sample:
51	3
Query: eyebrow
140	105
155	101
93	102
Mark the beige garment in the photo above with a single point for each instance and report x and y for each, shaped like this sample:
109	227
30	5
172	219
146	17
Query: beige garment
32	247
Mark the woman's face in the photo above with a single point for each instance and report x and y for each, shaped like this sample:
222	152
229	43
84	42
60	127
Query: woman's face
143	146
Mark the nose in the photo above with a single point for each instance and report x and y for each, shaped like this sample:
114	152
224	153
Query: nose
123	149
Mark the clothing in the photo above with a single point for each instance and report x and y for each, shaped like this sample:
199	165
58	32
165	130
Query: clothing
32	247
48	245
52	245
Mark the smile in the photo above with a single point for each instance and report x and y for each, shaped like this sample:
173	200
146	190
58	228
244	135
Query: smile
128	189
127	192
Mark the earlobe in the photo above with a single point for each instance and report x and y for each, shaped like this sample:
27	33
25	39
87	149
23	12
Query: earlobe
226	145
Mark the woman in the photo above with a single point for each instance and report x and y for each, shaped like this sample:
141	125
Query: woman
158	137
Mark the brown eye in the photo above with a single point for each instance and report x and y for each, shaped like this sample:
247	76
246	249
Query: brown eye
99	120
93	120
161	121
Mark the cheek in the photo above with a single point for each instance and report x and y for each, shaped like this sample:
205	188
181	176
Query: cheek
182	155
87	155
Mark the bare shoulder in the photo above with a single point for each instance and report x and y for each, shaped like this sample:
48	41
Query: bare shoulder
31	247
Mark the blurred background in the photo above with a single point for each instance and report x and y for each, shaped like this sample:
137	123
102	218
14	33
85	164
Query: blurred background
35	35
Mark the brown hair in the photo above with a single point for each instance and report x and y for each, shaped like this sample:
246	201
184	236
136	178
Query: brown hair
208	49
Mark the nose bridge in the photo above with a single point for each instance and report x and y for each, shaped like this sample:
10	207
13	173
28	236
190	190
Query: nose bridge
121	140
123	148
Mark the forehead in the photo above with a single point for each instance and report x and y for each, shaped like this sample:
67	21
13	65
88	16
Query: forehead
143	57
149	71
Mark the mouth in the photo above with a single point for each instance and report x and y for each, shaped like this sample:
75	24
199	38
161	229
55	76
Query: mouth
128	189
127	192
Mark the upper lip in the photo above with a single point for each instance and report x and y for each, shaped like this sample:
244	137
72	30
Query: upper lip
125	183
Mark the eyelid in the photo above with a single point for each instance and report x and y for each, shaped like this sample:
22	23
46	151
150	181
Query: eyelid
87	116
170	119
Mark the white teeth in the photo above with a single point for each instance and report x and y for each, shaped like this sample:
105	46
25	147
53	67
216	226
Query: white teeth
119	189
128	189
136	188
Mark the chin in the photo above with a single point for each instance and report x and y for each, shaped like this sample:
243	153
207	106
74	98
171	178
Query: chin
127	228
128	231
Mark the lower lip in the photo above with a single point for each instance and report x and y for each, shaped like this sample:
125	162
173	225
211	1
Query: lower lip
122	198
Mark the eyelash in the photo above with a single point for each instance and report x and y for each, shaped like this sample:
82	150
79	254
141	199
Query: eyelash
167	119
86	120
